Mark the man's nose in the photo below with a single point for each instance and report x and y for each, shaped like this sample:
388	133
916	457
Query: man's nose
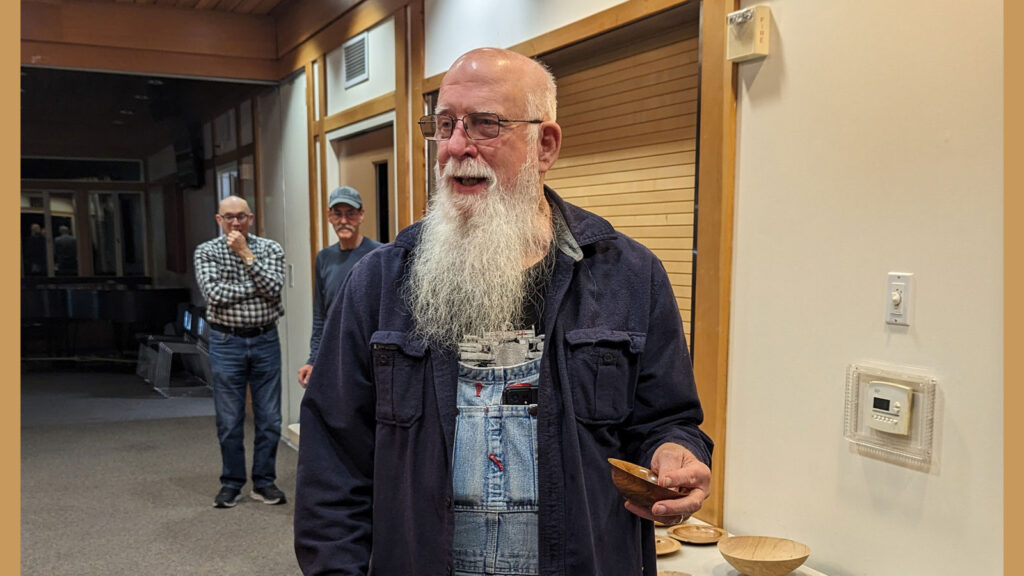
459	144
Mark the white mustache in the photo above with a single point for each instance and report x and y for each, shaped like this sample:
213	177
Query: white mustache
468	168
345	227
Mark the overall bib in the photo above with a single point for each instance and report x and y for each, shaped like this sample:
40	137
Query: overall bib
495	476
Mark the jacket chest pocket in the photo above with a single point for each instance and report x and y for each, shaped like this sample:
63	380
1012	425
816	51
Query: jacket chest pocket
603	368
399	368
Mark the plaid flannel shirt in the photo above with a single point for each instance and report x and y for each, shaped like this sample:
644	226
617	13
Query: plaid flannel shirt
237	295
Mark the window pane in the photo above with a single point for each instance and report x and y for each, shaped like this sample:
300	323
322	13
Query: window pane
33	235
227	180
224	133
102	226
245	120
65	245
247	181
133	258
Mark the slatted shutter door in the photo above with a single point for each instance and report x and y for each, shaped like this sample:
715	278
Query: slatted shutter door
629	142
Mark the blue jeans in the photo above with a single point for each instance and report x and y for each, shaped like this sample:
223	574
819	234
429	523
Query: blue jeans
495	474
237	363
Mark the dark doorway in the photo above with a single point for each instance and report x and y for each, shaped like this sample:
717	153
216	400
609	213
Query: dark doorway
380	171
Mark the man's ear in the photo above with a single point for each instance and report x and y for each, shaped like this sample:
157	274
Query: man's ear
550	145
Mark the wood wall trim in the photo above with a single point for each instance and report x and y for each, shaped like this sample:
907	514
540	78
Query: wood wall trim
80	56
402	123
593	25
716	169
312	126
319	209
363	17
240	151
368	109
256	172
419	145
128	26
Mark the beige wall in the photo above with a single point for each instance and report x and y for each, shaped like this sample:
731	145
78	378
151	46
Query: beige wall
869	141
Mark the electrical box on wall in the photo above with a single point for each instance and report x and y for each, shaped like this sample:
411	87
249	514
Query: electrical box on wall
748	33
890	412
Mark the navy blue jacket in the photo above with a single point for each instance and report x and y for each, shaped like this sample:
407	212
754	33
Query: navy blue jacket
374	487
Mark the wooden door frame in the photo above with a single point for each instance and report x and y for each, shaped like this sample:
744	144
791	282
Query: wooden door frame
715	195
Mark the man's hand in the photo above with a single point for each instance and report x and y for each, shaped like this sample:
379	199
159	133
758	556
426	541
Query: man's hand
679	469
238	244
304	373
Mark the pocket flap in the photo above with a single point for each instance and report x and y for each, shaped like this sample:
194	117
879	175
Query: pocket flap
636	340
402	340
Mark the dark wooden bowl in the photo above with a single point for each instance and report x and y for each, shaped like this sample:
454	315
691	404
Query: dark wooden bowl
639	485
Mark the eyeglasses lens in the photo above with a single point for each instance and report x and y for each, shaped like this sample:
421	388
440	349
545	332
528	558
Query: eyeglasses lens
478	126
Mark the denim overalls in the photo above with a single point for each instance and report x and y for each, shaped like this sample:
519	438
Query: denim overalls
495	475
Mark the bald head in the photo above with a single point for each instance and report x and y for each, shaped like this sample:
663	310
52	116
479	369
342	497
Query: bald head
523	83
233	204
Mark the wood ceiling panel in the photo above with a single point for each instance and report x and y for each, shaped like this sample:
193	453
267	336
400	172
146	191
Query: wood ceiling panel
258	7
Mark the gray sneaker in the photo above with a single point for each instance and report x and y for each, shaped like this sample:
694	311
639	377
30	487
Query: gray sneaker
227	497
268	494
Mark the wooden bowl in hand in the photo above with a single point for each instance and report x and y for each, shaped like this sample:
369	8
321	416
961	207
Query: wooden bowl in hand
639	485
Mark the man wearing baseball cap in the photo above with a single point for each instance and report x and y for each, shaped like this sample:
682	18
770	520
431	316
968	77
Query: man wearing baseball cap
333	263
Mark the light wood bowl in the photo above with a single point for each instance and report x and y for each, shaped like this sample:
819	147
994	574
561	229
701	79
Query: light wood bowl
638	484
696	533
763	555
665	545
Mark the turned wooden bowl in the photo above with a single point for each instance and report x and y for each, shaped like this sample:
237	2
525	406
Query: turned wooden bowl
763	555
638	484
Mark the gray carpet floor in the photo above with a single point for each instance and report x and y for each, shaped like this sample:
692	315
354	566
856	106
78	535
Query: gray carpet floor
117	479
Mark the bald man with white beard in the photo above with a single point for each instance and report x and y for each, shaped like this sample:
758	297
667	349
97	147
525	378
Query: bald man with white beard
479	371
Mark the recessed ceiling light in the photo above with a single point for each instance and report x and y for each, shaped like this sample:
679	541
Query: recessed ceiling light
126	112
141	97
155	82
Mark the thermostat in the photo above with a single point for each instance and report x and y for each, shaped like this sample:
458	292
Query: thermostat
890	412
889	407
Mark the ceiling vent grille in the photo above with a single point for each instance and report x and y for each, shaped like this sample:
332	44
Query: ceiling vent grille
355	56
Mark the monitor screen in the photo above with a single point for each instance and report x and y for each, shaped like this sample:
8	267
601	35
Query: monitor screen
204	330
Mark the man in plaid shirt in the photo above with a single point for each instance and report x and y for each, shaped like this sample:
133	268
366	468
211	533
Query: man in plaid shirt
241	276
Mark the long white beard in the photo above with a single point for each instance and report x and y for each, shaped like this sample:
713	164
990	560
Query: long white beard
467	274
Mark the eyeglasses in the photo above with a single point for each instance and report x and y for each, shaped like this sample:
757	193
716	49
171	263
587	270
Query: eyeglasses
478	125
233	217
351	213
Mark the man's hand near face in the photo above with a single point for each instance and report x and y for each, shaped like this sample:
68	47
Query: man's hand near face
237	243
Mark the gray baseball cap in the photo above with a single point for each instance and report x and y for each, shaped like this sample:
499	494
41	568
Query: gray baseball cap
346	194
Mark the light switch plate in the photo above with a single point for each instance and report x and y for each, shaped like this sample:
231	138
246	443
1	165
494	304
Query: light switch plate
898	298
